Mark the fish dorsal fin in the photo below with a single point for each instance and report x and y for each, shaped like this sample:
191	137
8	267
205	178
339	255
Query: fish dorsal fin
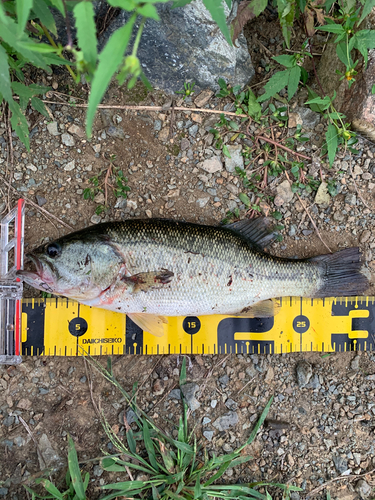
150	323
258	232
263	309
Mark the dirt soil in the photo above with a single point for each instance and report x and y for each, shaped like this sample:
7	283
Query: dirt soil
328	414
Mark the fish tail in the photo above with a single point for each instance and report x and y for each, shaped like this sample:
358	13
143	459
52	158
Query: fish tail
341	274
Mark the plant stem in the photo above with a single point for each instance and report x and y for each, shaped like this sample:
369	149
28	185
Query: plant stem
138	37
52	42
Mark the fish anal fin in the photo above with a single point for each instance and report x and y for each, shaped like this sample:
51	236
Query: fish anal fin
149	280
150	323
263	309
258	232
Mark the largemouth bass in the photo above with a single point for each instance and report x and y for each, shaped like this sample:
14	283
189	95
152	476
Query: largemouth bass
150	269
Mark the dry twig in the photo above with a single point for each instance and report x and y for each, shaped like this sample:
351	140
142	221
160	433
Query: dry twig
266	139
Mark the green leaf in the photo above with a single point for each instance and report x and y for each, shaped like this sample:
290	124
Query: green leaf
183	372
8	34
180	3
86	32
222	83
149	445
74	470
293	81
342	53
42	48
23	8
148	10
373	89
42	11
51	488
275	84
332	142
124	486
245	199
253	107
59	6
314	106
198	488
226	151
369	4
285	60
3	16
38	105
286	9
216	9
332	28
131	441
328	5
233	125
5	88
109	60
19	124
22	90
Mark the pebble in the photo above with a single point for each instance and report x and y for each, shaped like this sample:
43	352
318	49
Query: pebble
231	404
351	199
202	202
341	464
365	236
203	98
211	165
40	200
157	125
363	489
68	140
322	196
47	456
96	219
304	373
74	129
213	403
52	128
284	194
189	390
226	421
208	435
116	132
193	130
236	159
70	166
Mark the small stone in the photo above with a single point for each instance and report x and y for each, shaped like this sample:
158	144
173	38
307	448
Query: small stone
24	404
351	199
224	380
148	213
40	200
206	420
83	379
158	387
32	167
203	98
322	196
236	159
157	125
132	205
96	219
189	390
363	489
202	202
116	132
193	130
284	194
68	140
19	441
175	394
208	435
99	198
97	148
163	134
52	128
354	365
304	373
341	464
185	144
365	236
55	85
226	421
214	403
211	165
270	375
46	454
74	129
230	404
294	120
70	166
98	471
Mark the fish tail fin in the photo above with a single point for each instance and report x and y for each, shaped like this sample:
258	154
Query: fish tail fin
341	273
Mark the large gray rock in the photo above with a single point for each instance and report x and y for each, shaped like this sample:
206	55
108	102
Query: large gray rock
186	45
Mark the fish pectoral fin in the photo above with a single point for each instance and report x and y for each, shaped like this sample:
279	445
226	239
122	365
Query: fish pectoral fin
150	323
263	309
149	280
259	232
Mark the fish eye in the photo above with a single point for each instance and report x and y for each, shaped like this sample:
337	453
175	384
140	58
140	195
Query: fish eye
53	250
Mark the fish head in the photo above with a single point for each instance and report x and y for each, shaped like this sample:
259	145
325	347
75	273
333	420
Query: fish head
77	266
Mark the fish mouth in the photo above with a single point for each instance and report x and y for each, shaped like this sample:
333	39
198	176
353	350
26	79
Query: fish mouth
38	274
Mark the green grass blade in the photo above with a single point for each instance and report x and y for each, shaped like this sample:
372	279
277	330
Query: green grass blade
51	488
332	143
23	8
216	9
257	426
150	448
19	124
183	372
109	61
86	32
218	474
125	485
111	464
198	488
5	86
75	471
131	441
42	11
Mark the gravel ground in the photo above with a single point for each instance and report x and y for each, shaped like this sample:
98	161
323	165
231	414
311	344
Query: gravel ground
325	403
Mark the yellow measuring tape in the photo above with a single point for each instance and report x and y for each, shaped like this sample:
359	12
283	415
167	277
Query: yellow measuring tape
59	327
